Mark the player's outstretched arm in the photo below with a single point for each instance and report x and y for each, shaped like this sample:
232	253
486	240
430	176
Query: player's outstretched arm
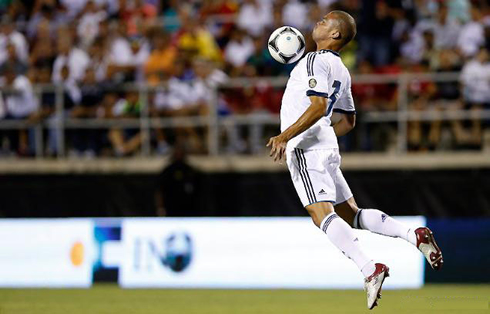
314	112
345	125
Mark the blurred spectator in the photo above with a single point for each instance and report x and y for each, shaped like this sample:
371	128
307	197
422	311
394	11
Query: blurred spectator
71	98
170	16
20	101
88	25
47	16
475	78
137	15
471	36
19	66
445	29
197	40
238	50
183	97
420	92
9	35
160	61
254	16
224	12
43	51
69	55
19	104
295	13
73	7
87	141
126	141
375	31
126	56
99	60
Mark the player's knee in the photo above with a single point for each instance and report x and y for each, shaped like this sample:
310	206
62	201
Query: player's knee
319	211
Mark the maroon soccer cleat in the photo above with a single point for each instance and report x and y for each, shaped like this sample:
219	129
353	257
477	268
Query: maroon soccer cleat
427	245
374	283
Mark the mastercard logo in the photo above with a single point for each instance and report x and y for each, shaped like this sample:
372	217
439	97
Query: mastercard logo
77	254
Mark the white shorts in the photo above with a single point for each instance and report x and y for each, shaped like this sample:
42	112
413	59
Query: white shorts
317	176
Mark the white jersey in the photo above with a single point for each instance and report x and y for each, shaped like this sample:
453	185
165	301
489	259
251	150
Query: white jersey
320	73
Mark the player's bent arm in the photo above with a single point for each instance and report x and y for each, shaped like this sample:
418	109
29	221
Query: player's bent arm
345	125
314	112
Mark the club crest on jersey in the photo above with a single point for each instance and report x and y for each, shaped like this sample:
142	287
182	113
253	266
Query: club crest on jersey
312	83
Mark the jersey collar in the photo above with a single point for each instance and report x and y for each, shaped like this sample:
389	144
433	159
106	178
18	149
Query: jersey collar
334	52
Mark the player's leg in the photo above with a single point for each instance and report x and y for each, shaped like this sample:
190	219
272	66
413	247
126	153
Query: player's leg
312	173
341	235
369	219
379	222
316	189
375	221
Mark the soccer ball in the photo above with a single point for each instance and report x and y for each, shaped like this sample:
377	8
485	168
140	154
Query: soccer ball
286	44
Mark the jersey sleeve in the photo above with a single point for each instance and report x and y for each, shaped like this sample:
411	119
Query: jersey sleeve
318	75
345	104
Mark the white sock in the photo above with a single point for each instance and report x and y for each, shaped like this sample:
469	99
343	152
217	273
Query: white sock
343	237
378	222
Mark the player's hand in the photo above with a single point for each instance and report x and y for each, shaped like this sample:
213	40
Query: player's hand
278	147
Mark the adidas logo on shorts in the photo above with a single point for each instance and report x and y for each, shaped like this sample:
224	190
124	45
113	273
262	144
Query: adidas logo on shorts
322	191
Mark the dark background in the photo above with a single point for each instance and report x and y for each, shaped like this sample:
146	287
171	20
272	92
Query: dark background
434	194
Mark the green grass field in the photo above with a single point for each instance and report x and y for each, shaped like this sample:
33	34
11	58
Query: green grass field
111	299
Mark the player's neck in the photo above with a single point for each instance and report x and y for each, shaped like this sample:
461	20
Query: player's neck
327	45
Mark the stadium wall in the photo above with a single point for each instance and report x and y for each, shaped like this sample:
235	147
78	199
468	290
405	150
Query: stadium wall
431	193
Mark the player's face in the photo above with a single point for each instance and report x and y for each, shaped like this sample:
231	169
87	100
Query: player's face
323	28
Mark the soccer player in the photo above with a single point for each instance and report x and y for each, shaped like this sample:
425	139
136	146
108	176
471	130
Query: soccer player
319	85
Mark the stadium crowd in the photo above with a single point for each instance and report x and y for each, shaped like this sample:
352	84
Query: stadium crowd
93	47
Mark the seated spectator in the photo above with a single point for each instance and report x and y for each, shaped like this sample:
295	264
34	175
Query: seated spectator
238	50
138	15
87	141
9	35
295	13
99	59
72	57
420	92
71	98
126	57
43	51
170	17
46	17
126	141
471	36
222	16
160	61
88	25
254	16
183	97
19	66
475	80
20	104
445	29
199	41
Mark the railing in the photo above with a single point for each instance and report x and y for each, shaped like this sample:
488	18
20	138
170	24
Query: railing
402	116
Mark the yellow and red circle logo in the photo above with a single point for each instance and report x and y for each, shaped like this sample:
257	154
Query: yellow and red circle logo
77	253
